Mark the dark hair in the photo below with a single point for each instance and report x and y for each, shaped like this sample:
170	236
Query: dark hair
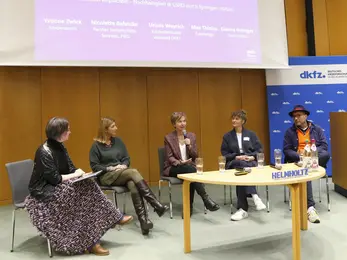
241	114
176	116
56	126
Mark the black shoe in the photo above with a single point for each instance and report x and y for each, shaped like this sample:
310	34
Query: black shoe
141	213
147	193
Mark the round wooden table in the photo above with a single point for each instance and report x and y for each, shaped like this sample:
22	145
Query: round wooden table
291	175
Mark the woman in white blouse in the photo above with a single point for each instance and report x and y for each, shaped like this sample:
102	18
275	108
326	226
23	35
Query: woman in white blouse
180	155
240	147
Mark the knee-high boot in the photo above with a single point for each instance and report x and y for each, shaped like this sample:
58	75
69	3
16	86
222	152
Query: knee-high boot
147	193
208	202
141	213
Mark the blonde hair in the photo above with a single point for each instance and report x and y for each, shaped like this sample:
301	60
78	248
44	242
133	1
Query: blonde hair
176	116
105	123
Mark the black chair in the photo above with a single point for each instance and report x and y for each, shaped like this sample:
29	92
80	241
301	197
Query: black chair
171	180
116	190
19	174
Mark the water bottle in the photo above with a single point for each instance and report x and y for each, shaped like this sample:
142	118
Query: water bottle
314	156
307	155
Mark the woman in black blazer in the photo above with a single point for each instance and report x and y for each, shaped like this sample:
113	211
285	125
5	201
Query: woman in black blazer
240	147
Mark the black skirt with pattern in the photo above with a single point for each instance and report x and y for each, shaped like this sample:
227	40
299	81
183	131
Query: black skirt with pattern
75	217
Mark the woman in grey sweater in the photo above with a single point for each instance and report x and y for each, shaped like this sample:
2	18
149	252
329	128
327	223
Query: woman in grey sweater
109	154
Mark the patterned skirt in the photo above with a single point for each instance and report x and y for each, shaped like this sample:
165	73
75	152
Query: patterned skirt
75	217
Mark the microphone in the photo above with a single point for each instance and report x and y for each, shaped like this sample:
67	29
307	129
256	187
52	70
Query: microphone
184	133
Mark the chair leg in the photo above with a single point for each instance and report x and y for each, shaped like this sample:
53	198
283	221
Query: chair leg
328	194
320	190
285	194
124	202
225	196
170	197
231	194
159	190
13	228
267	199
290	202
49	248
115	198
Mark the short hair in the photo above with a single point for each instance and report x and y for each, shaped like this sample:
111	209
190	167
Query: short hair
176	116
105	123
56	126
241	114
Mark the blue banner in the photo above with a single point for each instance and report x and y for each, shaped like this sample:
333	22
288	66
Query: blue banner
317	83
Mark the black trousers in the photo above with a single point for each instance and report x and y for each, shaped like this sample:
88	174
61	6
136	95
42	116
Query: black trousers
188	168
242	192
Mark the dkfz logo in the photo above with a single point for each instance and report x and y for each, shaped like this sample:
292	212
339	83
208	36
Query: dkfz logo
312	75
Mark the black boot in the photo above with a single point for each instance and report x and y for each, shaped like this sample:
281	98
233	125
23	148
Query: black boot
147	193
208	202
141	213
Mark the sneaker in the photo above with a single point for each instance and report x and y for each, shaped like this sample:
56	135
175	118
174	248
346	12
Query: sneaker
312	215
239	215
259	204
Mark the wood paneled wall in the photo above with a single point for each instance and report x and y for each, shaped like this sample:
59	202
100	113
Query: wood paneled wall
141	101
296	27
330	27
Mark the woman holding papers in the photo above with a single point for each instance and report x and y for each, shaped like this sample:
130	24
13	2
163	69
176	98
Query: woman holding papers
72	215
240	147
109	155
180	155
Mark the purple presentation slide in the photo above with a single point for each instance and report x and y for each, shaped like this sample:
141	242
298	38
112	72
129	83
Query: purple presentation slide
225	31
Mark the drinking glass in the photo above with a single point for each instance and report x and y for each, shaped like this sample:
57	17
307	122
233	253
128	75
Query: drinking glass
260	160
221	163
278	157
199	165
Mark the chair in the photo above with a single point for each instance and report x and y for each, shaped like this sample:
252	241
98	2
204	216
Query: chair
19	174
116	190
170	180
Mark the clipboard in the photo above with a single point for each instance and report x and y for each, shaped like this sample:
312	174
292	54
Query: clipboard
87	176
